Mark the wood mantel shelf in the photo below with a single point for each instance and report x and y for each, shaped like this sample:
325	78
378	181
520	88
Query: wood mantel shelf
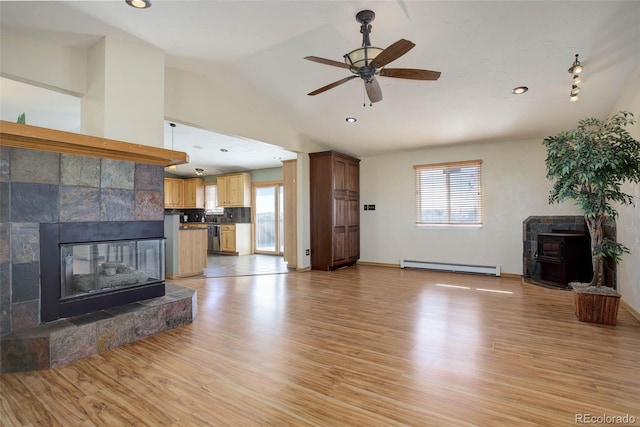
43	139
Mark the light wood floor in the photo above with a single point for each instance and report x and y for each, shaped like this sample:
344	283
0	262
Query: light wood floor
362	346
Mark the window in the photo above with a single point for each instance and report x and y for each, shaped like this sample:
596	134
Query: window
449	193
211	200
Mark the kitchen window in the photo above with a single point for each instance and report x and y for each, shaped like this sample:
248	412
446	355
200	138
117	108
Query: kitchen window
449	194
211	200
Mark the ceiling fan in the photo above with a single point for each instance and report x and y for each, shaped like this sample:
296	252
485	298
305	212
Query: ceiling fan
368	61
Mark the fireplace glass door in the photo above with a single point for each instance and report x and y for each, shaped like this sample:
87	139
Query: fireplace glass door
98	267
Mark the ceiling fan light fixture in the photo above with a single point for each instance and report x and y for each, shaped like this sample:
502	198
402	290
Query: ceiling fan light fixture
139	4
362	56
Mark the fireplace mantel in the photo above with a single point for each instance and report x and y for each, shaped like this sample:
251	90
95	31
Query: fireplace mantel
43	139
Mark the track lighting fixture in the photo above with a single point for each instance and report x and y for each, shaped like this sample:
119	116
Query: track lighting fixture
199	171
575	70
576	67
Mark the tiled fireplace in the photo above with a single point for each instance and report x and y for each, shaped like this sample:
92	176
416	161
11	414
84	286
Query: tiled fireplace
99	265
45	194
540	225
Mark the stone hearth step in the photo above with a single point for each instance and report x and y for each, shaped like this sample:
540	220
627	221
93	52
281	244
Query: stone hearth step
62	341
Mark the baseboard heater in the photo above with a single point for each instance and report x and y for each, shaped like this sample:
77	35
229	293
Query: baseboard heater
454	268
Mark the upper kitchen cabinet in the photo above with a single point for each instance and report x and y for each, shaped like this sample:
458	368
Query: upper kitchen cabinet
194	193
173	193
335	215
184	193
234	190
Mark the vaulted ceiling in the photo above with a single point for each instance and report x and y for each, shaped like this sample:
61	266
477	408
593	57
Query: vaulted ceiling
483	50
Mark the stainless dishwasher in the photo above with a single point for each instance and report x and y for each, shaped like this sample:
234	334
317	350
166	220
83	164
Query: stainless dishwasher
213	240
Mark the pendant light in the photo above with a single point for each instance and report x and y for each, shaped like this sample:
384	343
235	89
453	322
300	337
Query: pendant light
173	126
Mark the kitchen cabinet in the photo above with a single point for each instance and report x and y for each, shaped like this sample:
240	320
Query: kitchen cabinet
234	190
193	251
184	193
173	193
193	193
335	215
235	239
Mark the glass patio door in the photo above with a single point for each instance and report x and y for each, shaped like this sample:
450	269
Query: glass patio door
269	219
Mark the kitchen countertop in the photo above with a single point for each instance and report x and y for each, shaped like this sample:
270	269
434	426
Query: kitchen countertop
192	225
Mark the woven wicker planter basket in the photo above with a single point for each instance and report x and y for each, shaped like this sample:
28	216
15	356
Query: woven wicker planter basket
594	307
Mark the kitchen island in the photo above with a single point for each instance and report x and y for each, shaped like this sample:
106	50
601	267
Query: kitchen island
186	247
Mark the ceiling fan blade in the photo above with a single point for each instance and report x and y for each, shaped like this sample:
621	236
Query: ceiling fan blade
331	86
392	53
373	90
328	62
410	73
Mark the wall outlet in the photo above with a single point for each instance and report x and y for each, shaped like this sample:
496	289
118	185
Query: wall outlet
307	252
366	207
372	207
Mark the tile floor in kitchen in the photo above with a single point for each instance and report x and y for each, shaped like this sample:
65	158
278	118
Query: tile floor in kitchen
244	265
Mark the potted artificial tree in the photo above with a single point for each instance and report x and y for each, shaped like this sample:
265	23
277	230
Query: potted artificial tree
589	164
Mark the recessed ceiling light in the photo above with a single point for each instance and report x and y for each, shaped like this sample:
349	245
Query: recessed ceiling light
351	120
277	158
519	90
224	150
198	147
139	4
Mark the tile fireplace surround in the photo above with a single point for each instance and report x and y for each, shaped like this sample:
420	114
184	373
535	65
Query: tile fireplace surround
49	176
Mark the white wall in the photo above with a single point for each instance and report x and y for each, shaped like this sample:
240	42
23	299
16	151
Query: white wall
198	100
514	188
125	93
628	224
44	64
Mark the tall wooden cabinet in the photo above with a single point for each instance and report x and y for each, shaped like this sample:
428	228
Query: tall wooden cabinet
335	214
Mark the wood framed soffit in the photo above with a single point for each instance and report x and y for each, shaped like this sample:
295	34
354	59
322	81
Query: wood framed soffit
43	139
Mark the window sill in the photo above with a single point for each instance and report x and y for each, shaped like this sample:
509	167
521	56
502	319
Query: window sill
449	226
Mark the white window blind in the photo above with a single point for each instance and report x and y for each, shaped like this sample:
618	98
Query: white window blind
449	193
211	199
